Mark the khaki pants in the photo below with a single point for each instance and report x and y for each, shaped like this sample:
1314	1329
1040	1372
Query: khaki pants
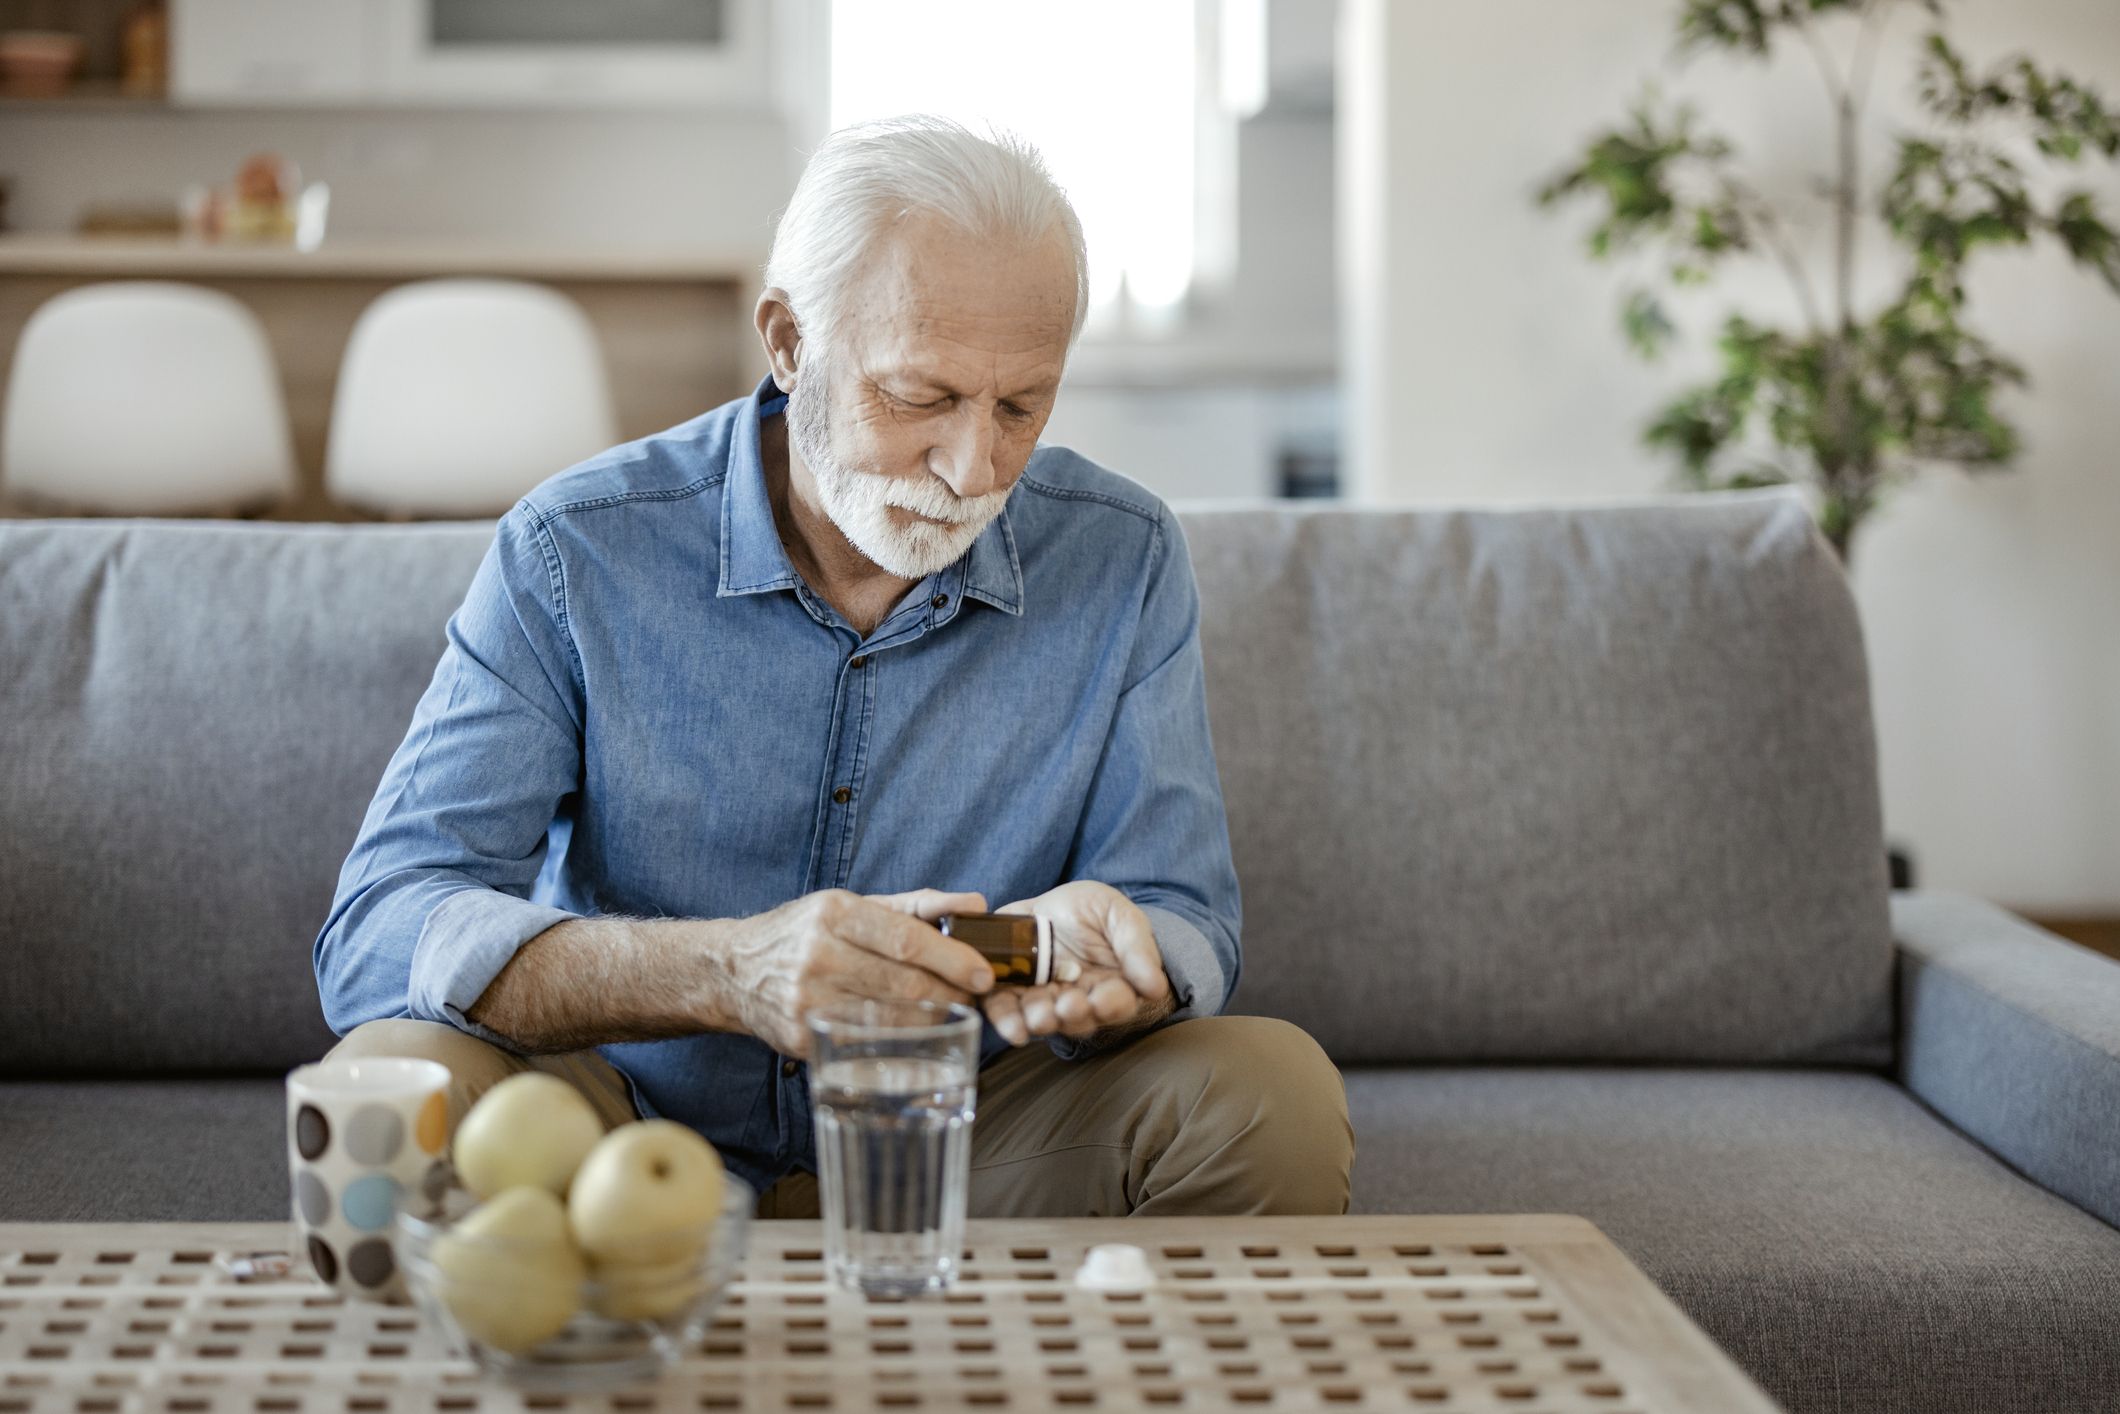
1217	1115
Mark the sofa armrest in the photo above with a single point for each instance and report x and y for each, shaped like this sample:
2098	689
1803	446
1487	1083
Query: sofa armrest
2013	1035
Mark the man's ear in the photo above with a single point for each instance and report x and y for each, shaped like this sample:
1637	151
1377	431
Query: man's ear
780	334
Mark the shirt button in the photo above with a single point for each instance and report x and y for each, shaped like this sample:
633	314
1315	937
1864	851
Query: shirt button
859	660
787	1067
939	601
843	795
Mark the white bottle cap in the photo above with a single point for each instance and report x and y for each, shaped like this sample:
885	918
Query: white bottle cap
1116	1266
1044	965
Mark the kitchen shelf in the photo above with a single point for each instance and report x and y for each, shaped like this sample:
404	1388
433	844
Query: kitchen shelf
28	253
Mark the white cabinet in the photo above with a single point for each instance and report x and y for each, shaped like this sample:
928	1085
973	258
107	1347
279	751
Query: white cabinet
472	53
573	53
274	51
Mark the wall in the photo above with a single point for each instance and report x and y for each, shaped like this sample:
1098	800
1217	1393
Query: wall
1205	411
1483	363
1216	442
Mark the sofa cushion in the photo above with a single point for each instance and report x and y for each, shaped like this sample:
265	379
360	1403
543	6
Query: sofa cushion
1848	1248
195	716
189	1150
1567	783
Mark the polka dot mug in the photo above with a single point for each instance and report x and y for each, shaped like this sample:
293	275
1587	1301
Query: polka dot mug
364	1137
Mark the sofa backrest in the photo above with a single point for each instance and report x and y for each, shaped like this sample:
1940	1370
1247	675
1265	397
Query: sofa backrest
1569	783
1585	783
193	718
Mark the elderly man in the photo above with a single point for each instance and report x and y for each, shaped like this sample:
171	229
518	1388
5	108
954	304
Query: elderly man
732	714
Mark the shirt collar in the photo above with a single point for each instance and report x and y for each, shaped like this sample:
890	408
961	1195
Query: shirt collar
753	560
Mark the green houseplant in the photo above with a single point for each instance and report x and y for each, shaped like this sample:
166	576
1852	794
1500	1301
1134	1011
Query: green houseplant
1850	400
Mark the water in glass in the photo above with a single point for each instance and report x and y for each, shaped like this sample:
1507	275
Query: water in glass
893	1107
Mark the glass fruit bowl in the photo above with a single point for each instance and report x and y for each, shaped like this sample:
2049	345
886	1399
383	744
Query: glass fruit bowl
539	1315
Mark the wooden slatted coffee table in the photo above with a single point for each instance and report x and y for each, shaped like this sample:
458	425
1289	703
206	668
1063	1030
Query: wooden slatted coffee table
1433	1313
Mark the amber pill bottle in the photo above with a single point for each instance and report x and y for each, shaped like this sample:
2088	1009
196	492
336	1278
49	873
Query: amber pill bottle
1018	946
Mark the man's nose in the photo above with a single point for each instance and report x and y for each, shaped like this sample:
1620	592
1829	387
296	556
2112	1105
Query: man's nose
966	459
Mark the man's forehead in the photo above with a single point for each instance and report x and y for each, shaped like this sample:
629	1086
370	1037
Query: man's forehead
945	298
958	343
933	274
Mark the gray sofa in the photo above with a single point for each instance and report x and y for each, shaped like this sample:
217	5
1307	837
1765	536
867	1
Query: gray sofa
1558	827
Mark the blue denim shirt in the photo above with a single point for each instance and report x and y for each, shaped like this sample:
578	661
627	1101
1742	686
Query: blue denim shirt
642	709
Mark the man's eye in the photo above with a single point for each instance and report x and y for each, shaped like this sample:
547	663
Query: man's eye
1019	414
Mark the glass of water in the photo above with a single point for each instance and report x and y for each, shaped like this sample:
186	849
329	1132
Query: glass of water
893	1086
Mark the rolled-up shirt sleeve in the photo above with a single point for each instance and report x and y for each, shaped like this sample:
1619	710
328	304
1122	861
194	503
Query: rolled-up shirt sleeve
1154	826
434	897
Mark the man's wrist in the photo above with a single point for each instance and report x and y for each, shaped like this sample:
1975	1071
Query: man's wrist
1150	1016
1161	1009
716	990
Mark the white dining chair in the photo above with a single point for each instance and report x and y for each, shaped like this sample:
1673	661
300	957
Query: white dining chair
145	397
457	396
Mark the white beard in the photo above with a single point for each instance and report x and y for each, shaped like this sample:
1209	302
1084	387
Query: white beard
858	501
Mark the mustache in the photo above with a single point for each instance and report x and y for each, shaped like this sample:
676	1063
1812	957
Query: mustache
933	499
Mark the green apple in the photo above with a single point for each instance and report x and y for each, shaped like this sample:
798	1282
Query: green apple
647	1195
508	1271
532	1129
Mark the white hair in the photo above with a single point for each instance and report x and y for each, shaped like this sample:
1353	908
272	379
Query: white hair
865	177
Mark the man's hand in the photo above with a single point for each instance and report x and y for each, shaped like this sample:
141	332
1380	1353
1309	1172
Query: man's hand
1121	985
836	946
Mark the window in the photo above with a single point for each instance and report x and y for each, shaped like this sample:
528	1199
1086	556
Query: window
1105	89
